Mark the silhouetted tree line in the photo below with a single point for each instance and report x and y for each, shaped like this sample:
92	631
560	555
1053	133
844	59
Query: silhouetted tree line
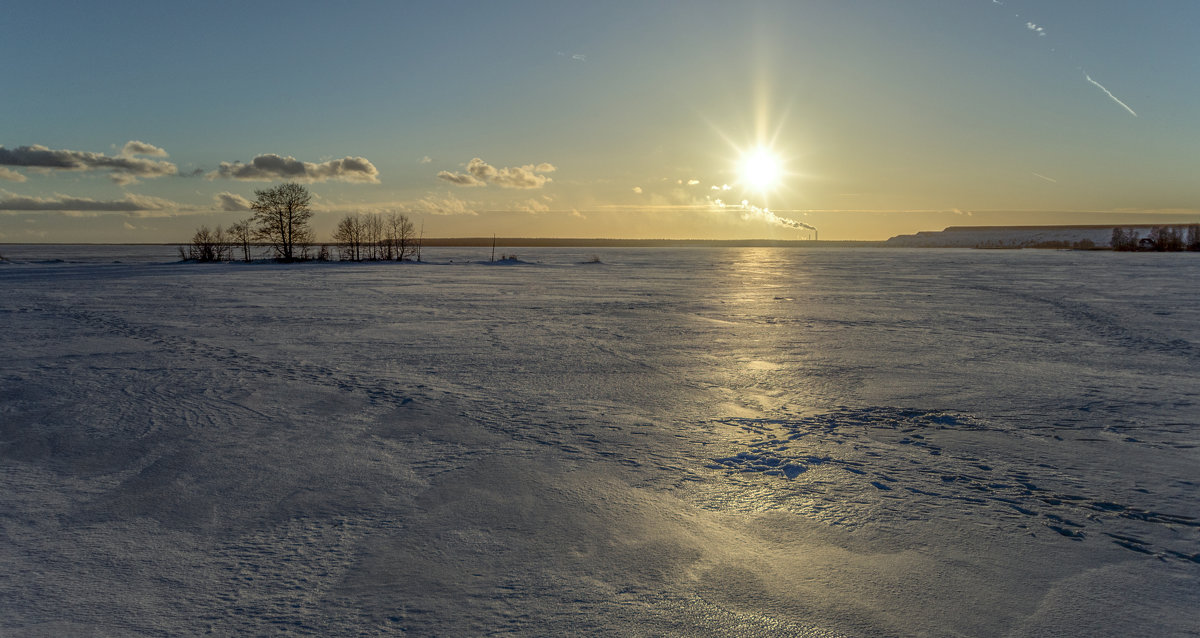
280	220
1160	239
375	238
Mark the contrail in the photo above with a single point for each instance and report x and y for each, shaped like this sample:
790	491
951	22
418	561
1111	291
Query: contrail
1109	94
1048	179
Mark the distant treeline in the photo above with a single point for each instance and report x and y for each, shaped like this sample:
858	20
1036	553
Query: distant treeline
1160	239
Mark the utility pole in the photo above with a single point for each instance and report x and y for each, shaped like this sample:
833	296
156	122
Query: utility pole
493	246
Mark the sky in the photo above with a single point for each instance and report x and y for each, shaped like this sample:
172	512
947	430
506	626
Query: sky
131	122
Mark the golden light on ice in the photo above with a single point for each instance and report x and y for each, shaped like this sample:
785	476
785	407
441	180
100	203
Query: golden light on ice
760	169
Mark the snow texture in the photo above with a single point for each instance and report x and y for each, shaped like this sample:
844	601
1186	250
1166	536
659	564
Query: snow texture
689	441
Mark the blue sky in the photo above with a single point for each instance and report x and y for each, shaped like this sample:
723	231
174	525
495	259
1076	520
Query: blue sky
599	119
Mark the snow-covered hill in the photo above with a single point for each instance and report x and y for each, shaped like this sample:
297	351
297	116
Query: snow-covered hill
1009	237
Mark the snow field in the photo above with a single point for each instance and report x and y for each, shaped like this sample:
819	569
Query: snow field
672	442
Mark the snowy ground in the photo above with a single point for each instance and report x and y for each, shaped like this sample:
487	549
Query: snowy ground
754	442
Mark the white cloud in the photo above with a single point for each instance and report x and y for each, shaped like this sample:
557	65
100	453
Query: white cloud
125	168
134	147
693	182
11	175
1041	31
425	160
637	189
461	179
271	167
480	173
231	201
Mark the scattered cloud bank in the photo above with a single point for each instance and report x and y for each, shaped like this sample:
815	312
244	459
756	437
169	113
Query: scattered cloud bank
131	203
532	205
1041	31
124	168
480	173
231	201
272	167
434	205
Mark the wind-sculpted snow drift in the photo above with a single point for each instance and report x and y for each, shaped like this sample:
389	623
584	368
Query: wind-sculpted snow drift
669	442
903	450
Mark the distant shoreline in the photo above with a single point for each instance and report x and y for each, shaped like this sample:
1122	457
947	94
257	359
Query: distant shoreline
551	242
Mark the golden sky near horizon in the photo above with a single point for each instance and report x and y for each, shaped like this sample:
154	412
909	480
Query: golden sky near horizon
659	120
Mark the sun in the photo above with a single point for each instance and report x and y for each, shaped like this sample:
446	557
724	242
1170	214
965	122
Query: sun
760	169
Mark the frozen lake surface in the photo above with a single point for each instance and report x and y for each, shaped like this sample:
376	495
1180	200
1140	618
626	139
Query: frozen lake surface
757	442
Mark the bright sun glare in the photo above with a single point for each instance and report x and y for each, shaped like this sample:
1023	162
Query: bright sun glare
761	169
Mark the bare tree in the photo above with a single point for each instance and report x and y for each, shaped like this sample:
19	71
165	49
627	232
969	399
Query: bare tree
349	237
207	245
224	245
281	217
400	235
373	236
388	240
1166	238
1193	237
241	234
1125	239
